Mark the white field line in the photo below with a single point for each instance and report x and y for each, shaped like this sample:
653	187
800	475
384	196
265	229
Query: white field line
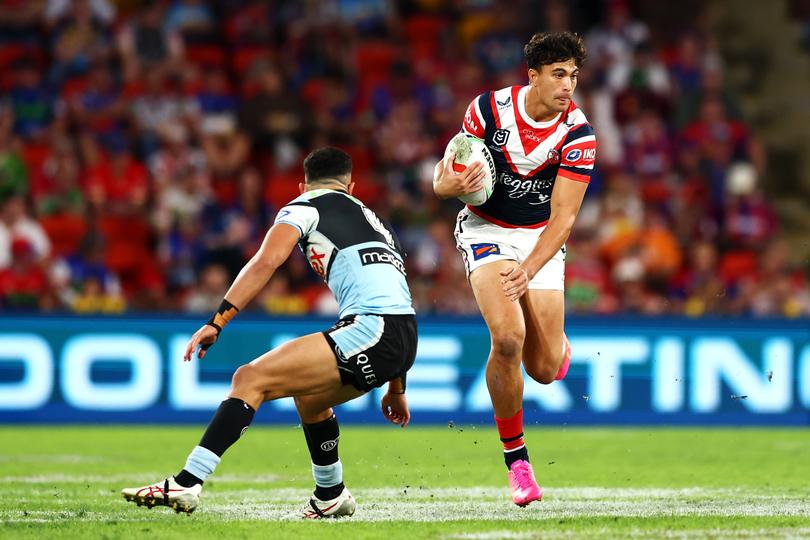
447	504
51	458
714	534
128	478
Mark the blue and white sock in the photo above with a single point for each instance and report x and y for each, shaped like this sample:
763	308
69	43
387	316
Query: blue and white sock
201	463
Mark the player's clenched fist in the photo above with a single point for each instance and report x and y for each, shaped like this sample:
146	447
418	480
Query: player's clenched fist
448	183
395	409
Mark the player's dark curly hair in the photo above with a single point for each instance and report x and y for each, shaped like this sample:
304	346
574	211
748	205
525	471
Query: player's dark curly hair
326	163
549	47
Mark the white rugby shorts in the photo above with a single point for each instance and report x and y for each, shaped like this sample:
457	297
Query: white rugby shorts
482	242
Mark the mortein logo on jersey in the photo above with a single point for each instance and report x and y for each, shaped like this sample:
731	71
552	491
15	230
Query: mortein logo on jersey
484	250
380	256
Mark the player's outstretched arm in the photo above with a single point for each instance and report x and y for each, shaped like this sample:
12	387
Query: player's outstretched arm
566	200
276	247
448	183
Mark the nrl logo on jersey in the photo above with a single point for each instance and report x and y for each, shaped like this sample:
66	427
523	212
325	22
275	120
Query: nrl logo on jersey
500	136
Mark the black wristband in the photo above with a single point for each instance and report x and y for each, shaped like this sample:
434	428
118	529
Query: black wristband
223	315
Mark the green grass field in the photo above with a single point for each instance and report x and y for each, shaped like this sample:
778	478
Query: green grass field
415	483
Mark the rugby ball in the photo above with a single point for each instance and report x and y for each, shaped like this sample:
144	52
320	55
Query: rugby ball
468	150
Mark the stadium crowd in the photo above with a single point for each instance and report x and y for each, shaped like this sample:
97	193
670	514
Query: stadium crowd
145	147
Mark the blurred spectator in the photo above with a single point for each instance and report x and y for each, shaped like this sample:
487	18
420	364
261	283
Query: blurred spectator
611	46
161	111
277	121
23	284
31	102
213	284
99	9
659	249
79	38
58	188
117	183
645	71
153	141
587	285
193	18
13	170
687	72
16	224
147	44
226	149
279	298
92	298
648	146
99	108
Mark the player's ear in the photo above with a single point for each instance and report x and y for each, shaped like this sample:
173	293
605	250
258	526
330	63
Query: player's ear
350	188
302	188
533	74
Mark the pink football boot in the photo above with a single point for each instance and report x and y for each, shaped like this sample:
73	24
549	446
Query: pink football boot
566	363
522	484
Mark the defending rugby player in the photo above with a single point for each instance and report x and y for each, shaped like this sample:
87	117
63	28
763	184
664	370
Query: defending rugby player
374	341
513	245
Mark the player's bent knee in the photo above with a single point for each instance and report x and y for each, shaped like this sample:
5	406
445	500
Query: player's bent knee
246	379
507	344
544	374
242	377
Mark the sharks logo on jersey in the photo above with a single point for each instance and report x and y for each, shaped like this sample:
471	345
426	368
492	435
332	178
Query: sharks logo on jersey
528	155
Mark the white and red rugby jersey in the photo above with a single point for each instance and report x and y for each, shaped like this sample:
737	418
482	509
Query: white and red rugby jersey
528	155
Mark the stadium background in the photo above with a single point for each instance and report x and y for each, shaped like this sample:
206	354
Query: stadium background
146	146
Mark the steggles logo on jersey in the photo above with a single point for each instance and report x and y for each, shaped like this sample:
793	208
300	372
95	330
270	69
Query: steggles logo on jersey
484	250
500	136
519	188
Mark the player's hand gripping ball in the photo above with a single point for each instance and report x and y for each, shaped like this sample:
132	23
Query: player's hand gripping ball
468	150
